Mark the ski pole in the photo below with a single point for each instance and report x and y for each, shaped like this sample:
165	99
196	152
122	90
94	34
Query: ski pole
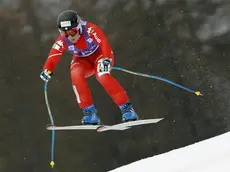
52	123
198	93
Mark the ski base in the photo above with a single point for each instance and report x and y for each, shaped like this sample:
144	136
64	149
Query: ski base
101	128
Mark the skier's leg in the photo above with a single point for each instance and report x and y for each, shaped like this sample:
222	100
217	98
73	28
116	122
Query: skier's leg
80	70
103	67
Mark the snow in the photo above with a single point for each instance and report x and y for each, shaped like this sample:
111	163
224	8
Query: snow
210	155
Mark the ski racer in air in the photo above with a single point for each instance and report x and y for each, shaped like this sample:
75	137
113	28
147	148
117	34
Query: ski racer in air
92	55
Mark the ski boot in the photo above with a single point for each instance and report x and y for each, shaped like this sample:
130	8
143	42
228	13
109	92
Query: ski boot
90	116
128	113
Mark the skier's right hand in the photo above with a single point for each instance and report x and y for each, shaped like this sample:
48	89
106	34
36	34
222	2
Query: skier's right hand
46	75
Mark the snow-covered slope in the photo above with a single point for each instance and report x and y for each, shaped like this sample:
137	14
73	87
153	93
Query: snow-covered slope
211	155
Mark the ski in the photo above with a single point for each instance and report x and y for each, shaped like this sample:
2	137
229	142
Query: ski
83	127
102	128
128	125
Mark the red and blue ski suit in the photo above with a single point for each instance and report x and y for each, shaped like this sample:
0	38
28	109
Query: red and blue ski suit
92	54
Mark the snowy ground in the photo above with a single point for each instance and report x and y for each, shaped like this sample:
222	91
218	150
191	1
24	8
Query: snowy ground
212	155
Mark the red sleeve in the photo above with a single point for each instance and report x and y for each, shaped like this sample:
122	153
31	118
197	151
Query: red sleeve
55	54
99	37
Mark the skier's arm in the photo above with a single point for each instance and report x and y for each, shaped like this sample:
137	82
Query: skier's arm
99	37
53	59
55	55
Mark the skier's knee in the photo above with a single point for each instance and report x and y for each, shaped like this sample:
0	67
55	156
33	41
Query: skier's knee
104	66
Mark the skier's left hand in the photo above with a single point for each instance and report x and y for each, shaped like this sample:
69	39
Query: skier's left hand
46	75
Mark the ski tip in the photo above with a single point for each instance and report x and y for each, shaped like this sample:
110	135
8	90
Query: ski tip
52	164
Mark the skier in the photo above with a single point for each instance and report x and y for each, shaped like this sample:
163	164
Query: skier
92	54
